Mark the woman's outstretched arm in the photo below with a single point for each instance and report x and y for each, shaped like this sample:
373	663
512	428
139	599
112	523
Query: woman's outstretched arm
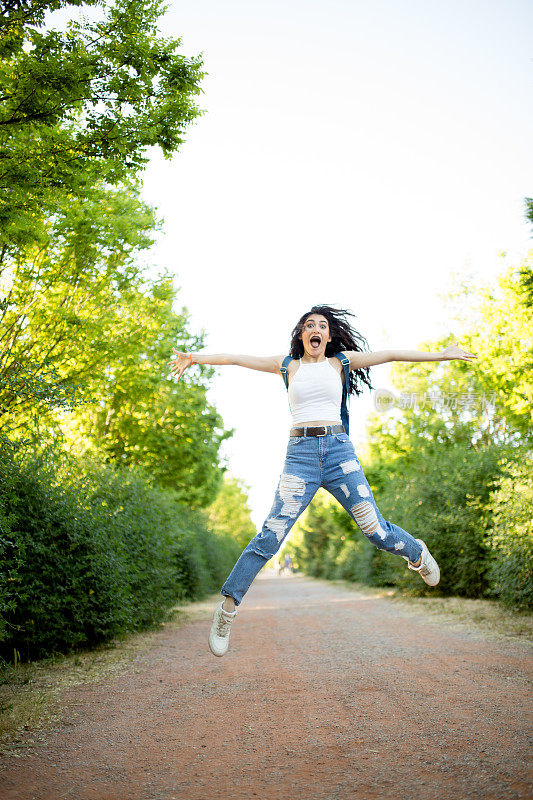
358	360
181	360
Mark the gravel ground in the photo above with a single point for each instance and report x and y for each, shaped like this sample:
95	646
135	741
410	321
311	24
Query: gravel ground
326	693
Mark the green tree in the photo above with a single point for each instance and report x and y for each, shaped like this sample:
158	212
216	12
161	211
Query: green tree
433	461
529	209
499	329
80	303
511	535
64	314
484	402
143	417
229	512
83	105
79	109
319	535
526	272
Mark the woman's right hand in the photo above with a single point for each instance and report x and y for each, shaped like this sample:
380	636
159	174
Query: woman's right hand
179	363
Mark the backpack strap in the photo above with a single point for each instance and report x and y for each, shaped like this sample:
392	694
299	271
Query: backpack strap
283	369
345	361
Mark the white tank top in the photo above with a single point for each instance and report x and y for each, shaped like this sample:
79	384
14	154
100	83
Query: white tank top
315	392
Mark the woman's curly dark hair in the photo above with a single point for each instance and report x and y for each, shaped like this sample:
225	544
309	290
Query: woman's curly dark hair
343	337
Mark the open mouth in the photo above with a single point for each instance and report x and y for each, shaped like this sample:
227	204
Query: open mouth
315	342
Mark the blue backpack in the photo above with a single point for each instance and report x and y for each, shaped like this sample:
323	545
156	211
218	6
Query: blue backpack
345	361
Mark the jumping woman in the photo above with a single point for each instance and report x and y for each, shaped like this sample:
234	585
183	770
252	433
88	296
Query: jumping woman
326	363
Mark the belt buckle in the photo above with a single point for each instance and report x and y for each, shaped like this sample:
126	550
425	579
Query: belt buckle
325	430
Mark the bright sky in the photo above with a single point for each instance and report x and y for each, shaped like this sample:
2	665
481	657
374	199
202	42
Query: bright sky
354	153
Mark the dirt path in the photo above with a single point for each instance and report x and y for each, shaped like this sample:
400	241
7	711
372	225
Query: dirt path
326	694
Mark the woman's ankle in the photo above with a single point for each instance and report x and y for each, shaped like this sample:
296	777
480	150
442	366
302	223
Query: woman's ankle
229	604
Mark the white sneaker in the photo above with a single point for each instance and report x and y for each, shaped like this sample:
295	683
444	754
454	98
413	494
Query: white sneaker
220	630
428	567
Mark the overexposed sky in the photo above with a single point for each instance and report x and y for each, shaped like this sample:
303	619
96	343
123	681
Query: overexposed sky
352	153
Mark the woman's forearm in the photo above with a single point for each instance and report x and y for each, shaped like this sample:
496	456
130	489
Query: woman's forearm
415	355
216	360
261	363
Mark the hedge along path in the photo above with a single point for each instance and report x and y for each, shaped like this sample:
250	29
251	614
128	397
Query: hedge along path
326	692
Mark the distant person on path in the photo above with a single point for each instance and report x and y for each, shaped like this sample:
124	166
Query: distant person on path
327	362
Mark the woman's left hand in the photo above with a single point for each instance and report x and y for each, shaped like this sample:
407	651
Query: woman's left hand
456	352
179	363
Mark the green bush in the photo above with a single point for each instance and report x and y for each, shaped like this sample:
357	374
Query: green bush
91	551
510	573
443	498
332	546
8	565
328	565
320	538
360	561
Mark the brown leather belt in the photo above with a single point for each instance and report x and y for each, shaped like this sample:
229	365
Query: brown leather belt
322	430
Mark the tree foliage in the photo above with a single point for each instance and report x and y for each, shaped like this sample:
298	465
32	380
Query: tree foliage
66	298
435	462
80	303
487	401
106	539
229	514
82	105
142	416
511	535
86	327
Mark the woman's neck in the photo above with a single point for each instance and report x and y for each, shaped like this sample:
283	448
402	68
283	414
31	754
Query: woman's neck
311	360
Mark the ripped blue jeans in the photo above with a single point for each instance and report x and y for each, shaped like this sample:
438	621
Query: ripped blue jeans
311	462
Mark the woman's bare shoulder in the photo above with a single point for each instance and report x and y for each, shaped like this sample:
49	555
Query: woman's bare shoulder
293	365
278	361
336	364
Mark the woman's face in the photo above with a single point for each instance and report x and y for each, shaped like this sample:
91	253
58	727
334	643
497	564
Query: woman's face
315	335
